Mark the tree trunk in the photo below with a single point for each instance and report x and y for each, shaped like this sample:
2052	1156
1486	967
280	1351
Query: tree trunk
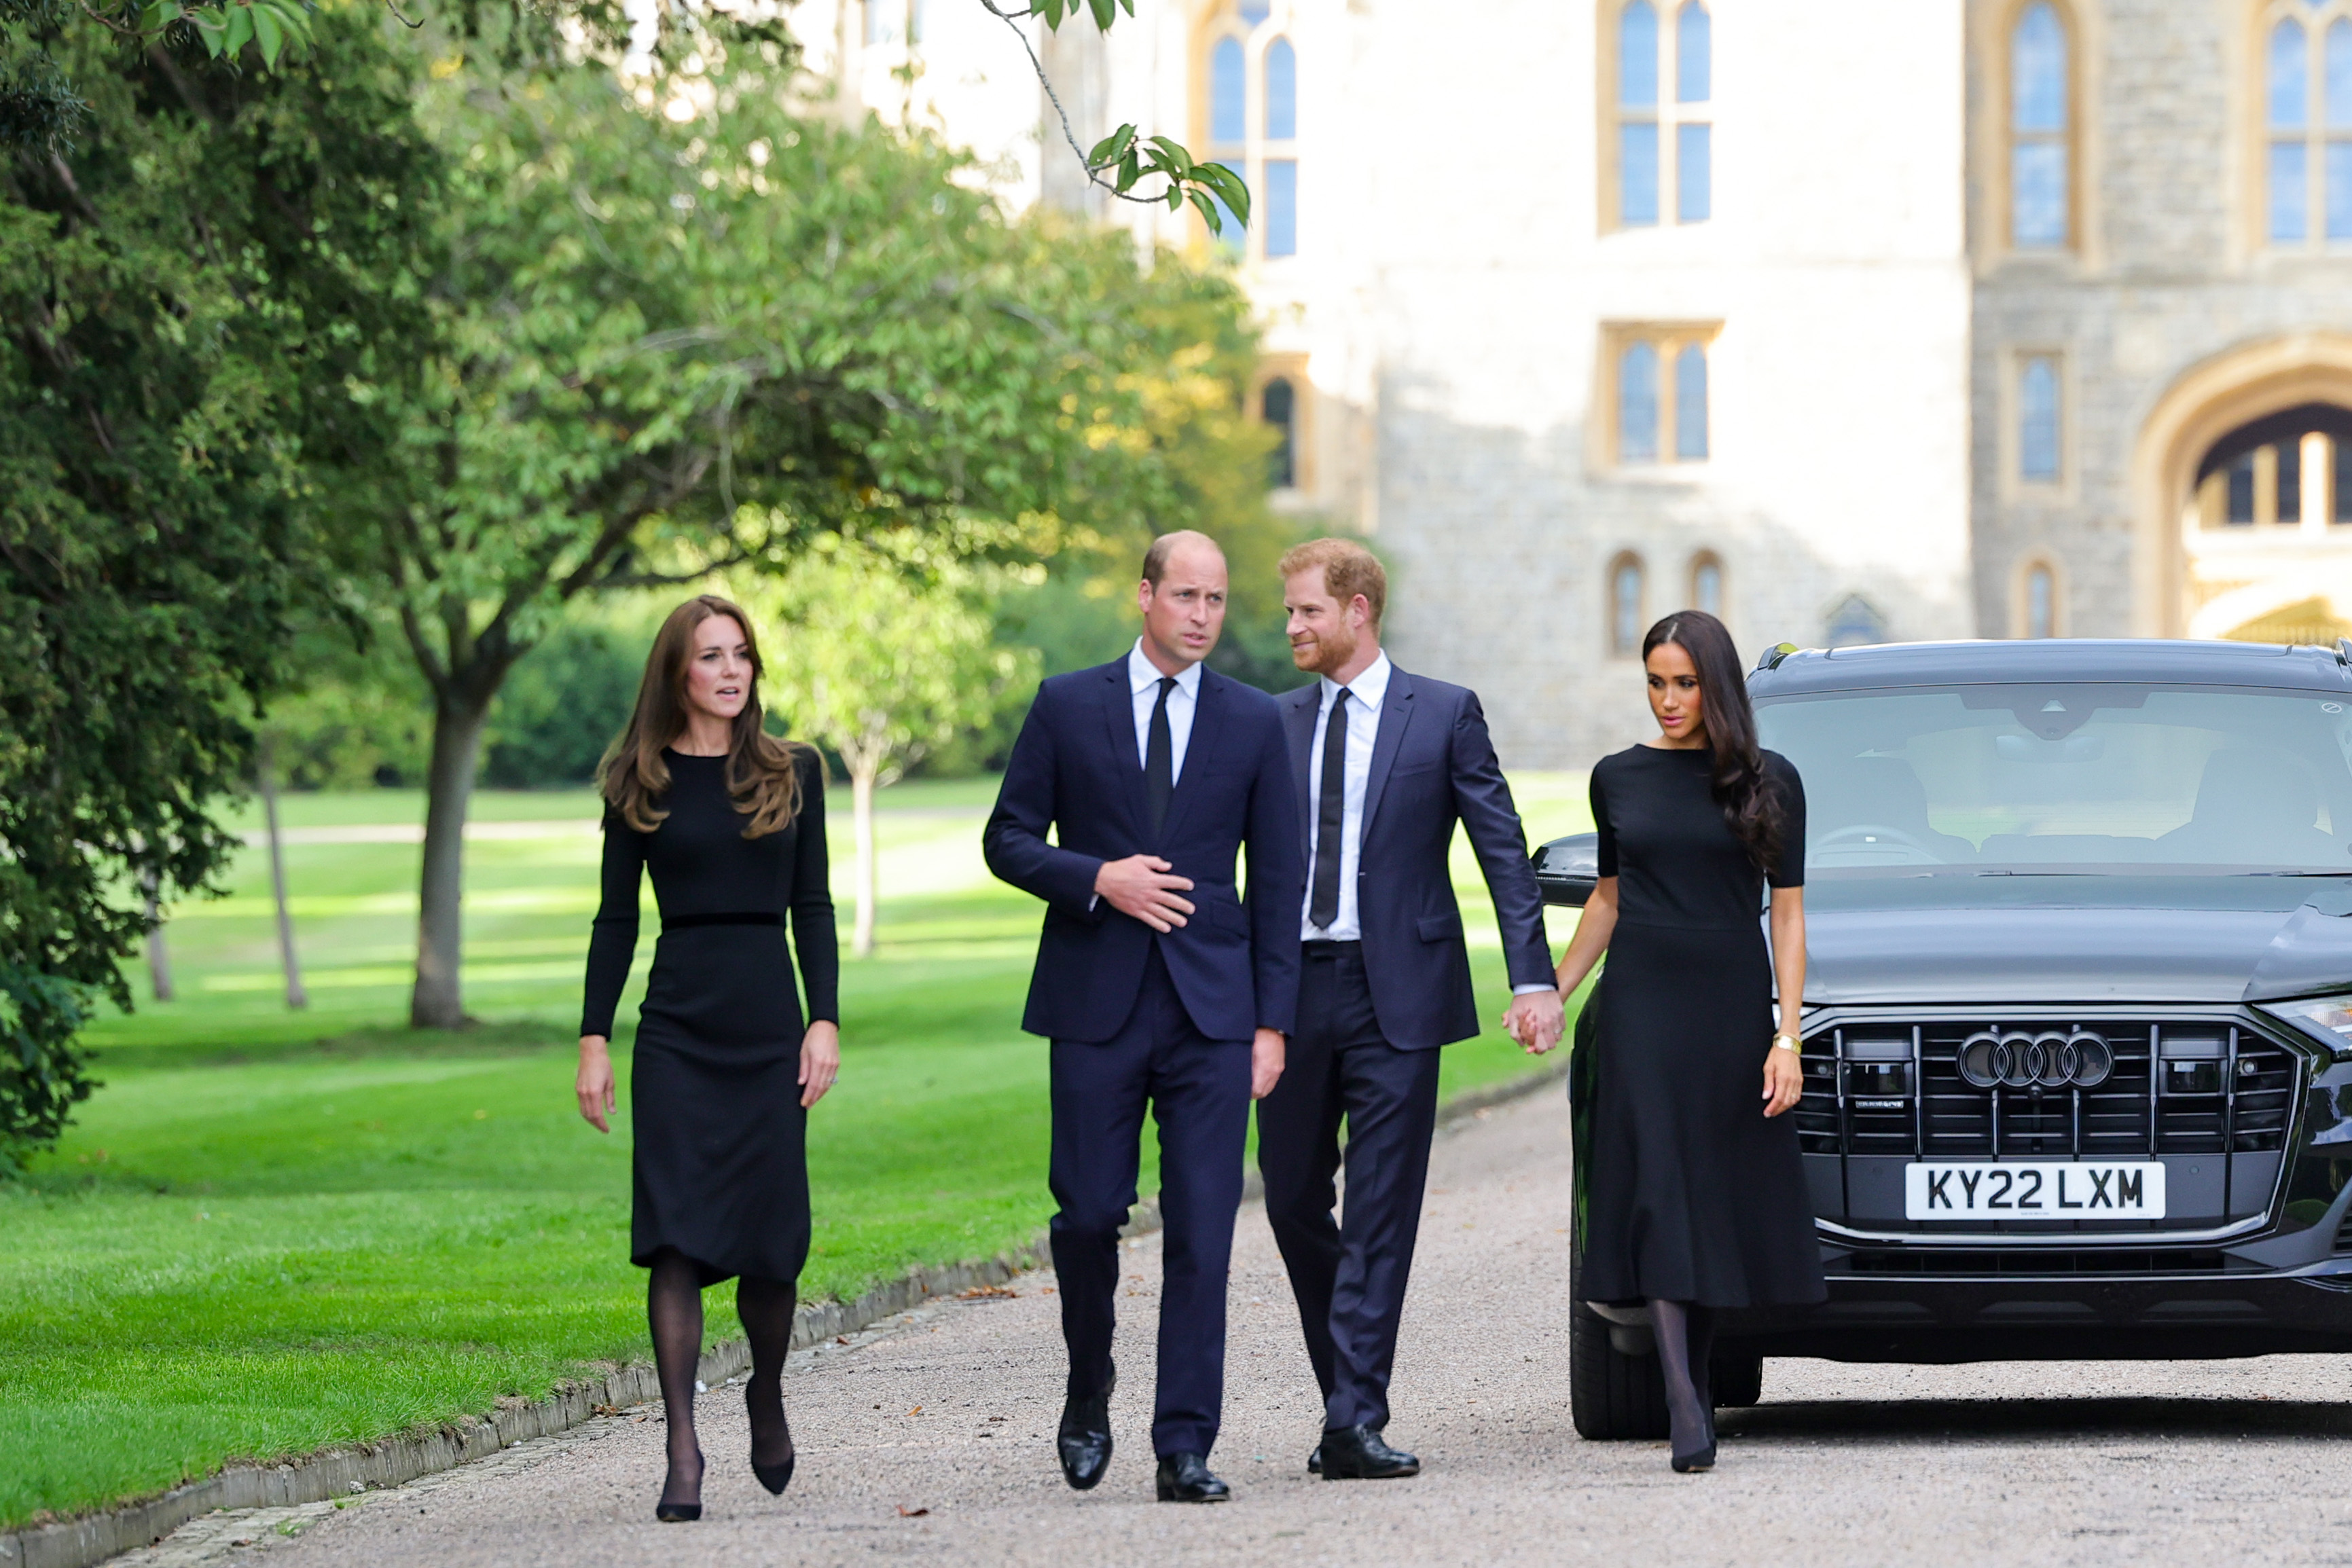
861	809
295	996
458	722
159	956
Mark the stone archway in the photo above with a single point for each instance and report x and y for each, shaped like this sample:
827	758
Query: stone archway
2186	580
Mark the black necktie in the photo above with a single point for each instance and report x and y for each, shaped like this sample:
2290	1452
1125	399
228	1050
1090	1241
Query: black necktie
1159	759
1332	811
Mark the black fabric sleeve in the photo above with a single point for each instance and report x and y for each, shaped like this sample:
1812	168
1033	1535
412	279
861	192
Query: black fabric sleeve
1790	872
612	940
1599	795
813	935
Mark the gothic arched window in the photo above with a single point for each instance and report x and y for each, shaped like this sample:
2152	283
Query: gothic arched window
1707	583
1660	393
1624	607
1661	146
2040	121
1250	110
2037	601
2306	98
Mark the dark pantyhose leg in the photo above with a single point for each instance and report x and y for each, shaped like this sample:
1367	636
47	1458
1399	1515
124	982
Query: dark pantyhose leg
673	1309
766	1308
1686	1415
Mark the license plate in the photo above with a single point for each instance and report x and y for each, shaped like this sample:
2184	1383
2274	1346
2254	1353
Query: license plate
2020	1189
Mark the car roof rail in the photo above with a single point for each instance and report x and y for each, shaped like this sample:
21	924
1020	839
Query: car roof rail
2343	651
1771	657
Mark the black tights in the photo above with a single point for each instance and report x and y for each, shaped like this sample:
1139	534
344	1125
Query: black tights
674	1310
1684	1332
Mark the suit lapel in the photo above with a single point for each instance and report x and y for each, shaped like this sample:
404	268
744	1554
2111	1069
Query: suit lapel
1119	725
1300	723
1396	712
1206	703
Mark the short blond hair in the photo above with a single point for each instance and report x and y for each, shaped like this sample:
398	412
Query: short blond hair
1349	569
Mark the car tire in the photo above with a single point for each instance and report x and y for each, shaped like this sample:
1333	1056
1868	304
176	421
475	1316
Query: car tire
1612	1397
1737	1381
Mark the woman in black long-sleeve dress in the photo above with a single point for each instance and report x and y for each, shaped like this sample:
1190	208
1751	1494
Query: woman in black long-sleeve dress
731	822
1698	1198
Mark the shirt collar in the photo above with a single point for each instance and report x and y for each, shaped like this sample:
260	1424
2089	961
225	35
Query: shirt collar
1367	691
1142	674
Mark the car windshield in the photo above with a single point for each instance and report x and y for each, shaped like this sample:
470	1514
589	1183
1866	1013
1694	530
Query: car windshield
2086	778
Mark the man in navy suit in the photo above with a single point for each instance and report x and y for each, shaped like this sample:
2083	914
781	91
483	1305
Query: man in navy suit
1385	763
1158	982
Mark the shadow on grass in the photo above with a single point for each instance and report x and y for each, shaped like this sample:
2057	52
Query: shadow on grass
478	1039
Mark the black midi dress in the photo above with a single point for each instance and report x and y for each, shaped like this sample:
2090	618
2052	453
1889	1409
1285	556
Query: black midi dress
720	1165
1695	1195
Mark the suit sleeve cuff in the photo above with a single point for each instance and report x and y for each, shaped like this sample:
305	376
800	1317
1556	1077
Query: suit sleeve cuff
1531	988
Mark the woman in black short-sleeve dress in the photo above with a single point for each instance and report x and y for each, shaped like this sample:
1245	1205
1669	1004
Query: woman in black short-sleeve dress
729	822
1698	1198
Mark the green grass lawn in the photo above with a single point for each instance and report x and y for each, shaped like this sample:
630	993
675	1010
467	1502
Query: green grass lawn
271	1231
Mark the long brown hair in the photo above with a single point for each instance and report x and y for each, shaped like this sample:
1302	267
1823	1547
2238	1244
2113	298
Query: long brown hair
1751	805
761	776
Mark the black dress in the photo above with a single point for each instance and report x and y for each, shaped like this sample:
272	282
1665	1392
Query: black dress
720	1165
1695	1195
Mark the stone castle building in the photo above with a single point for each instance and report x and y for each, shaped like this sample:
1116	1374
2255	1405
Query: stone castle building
1854	321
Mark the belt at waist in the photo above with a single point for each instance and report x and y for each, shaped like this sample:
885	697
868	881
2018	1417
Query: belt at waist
1320	948
688	922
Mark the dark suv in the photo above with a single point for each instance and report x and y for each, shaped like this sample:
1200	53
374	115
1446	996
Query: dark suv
2078	1021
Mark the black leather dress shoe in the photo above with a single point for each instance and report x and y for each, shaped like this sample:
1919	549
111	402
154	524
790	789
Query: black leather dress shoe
1084	1442
1315	1462
1359	1454
1185	1478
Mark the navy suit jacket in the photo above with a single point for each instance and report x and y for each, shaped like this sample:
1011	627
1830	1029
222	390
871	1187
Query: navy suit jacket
1433	764
1234	962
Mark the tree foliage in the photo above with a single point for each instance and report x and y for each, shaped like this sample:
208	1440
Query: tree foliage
182	296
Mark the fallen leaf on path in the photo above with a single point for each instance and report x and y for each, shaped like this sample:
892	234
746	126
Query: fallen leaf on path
906	1512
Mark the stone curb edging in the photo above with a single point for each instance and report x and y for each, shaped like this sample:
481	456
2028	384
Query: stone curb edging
390	1461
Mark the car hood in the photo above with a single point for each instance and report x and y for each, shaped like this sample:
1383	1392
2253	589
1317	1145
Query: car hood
2008	939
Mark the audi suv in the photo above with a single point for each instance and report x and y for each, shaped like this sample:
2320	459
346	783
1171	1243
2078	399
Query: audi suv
2078	1010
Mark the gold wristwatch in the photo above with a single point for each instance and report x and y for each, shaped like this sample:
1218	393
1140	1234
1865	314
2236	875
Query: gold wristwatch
1788	1042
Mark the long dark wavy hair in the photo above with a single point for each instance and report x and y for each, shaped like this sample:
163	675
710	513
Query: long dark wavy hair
760	777
1751	806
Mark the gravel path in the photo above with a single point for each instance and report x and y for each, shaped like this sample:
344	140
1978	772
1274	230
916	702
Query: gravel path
929	1438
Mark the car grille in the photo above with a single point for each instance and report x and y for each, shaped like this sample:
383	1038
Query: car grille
2175	1087
2039	1261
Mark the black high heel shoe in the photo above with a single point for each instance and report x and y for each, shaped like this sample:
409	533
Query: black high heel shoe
670	1512
775	1478
1700	1459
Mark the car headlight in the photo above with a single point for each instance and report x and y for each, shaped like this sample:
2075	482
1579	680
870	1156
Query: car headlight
2327	1020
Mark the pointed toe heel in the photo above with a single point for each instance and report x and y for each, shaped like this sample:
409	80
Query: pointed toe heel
1691	1463
775	1478
677	1512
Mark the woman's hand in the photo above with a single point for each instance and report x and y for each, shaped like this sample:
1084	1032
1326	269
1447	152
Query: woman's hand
1784	1079
594	1083
820	1060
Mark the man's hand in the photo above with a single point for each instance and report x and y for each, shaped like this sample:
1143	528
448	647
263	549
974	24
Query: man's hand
1266	1063
593	1082
1537	1019
1140	885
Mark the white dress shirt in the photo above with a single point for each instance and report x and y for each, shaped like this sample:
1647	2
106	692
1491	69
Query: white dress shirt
1367	695
1143	678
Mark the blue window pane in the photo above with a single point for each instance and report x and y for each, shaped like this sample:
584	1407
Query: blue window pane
2037	70
1707	588
1280	408
1637	405
1637	55
1692	180
1281	92
1692	65
2038	619
2037	420
1229	238
2289	165
1228	93
2339	190
2290	92
1256	11
1625	607
1637	174
1281	206
2037	194
2340	74
1690	404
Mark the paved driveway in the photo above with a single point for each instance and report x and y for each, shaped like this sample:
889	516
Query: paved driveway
929	1439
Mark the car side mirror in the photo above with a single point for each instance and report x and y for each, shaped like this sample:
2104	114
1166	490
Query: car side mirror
1569	869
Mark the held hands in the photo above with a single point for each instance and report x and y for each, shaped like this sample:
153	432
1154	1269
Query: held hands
1784	1079
1536	1019
594	1083
820	1060
1266	1062
1140	886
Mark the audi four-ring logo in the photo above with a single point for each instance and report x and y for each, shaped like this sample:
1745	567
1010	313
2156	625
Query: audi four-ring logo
2054	1059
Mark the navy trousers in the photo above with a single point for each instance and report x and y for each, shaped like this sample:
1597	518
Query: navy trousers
1199	1093
1348	1273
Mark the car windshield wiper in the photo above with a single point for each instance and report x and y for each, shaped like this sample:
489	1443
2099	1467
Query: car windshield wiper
2314	871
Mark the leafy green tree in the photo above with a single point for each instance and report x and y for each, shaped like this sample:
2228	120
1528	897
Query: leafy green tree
882	660
183	295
